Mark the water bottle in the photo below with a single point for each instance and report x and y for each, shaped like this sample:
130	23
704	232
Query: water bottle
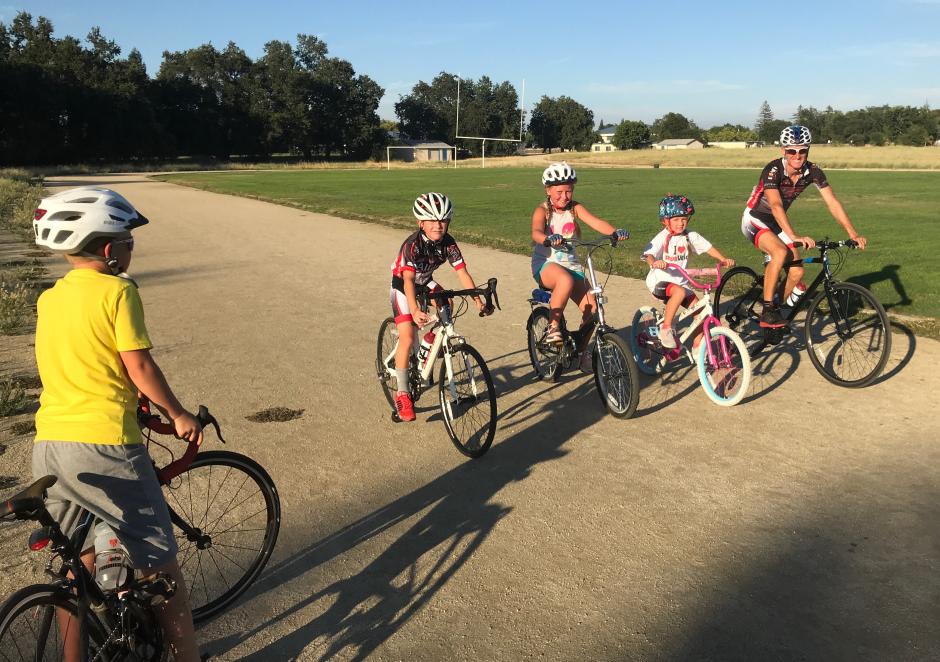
425	347
112	566
795	295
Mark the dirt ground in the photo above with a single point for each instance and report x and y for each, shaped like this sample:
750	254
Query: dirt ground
799	525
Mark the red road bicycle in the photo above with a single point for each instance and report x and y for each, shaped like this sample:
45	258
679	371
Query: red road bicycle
226	513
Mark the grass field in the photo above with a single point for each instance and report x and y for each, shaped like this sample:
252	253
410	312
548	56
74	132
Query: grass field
493	207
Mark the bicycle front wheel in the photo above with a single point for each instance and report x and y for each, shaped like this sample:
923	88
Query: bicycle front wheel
385	359
738	304
616	375
227	514
848	335
40	622
727	378
468	401
644	340
543	356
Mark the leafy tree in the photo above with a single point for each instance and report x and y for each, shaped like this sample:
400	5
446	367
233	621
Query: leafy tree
562	122
675	125
631	134
487	109
730	133
916	136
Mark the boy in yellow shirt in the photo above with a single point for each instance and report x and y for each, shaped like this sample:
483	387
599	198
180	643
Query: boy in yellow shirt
93	353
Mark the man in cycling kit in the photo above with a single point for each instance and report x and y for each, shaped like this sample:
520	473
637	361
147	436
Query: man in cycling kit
765	222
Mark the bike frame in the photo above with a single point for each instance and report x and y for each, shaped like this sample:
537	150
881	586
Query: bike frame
703	315
445	337
595	326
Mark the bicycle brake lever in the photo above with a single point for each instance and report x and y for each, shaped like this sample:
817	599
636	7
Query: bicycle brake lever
205	419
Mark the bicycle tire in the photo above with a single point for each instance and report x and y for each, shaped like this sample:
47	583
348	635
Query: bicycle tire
738	303
647	359
858	359
728	383
470	420
545	358
29	628
222	536
387	342
616	376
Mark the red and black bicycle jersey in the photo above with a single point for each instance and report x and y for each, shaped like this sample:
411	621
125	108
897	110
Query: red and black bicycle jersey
420	255
774	176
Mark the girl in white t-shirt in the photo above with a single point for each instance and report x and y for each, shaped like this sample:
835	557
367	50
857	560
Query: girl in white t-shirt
672	246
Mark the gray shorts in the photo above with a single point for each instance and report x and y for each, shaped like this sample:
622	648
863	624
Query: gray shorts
118	485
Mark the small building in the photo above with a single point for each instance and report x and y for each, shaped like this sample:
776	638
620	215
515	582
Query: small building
729	144
679	143
433	150
606	134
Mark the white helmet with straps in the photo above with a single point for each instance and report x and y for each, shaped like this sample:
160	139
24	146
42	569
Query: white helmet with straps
433	207
559	173
795	134
67	221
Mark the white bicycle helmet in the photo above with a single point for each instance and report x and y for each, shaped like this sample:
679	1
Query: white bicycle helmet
795	135
67	221
559	173
433	207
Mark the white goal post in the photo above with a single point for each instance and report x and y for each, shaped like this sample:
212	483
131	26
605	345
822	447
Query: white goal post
502	140
414	153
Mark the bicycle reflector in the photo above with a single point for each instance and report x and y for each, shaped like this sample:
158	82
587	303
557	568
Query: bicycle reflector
39	538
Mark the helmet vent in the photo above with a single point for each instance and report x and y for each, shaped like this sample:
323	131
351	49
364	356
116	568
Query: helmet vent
120	205
62	236
84	200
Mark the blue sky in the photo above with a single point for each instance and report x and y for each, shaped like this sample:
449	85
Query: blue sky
713	62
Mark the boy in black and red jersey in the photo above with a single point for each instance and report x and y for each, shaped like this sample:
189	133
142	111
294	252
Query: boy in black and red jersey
765	222
420	254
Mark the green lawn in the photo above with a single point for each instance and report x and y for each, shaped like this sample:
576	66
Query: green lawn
896	210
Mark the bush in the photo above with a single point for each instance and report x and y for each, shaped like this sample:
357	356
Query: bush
16	307
18	199
12	397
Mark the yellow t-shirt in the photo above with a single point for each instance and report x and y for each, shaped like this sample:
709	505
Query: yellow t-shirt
84	320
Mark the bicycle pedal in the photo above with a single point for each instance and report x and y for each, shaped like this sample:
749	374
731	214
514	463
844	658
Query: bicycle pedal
395	417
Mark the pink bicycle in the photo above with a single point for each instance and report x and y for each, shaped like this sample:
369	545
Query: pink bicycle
721	358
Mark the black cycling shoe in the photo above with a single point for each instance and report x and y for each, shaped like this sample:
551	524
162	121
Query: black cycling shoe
770	317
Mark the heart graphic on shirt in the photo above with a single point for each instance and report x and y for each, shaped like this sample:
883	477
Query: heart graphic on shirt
681	249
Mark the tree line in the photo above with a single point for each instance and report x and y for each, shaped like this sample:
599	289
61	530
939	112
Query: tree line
875	125
63	101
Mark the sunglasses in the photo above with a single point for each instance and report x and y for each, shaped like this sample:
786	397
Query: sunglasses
439	221
792	152
127	242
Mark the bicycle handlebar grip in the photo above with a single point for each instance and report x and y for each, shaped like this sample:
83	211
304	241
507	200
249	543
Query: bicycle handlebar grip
851	243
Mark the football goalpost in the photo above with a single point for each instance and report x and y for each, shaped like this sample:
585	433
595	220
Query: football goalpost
504	140
415	149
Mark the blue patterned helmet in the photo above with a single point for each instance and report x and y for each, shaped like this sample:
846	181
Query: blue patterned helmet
675	205
795	135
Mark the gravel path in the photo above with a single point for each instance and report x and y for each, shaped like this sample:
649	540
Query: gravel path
801	524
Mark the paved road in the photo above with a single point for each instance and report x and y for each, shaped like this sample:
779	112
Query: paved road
801	524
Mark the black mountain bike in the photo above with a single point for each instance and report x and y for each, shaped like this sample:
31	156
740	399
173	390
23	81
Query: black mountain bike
846	330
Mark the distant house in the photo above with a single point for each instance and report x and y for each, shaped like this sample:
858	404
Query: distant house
433	150
679	143
606	134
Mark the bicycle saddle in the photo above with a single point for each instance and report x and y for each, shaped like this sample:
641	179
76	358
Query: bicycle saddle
27	503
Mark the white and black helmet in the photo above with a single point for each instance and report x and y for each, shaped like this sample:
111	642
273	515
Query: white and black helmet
433	207
795	134
559	173
67	221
